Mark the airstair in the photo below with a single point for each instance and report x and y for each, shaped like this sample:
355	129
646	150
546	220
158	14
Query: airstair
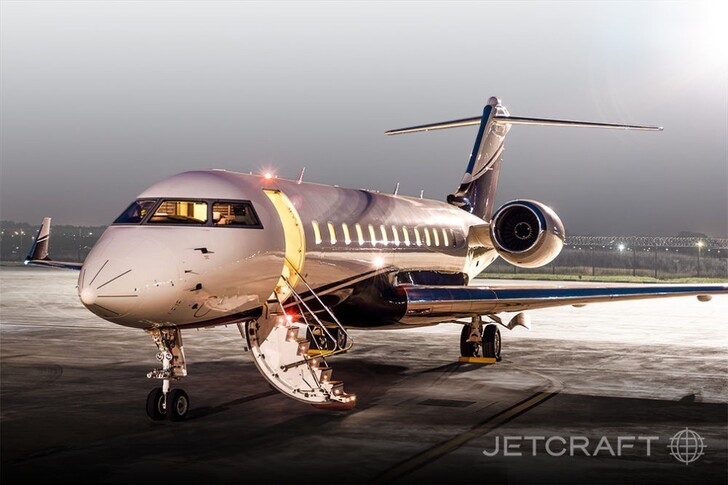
290	344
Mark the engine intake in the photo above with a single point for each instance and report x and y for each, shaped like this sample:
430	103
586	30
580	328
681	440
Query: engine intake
527	233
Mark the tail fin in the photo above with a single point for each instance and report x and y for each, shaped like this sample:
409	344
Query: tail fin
476	193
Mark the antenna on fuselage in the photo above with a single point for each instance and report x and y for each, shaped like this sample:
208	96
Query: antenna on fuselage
422	194
396	189
300	175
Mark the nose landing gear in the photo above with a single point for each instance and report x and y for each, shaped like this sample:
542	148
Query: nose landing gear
162	402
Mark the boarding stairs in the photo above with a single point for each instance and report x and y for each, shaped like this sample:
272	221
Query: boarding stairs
290	344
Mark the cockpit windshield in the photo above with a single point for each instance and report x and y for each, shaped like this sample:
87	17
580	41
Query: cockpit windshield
136	211
180	212
216	213
234	214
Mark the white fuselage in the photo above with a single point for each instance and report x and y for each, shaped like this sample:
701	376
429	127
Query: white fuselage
339	241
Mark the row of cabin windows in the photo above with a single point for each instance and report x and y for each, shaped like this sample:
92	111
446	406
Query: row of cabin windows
381	235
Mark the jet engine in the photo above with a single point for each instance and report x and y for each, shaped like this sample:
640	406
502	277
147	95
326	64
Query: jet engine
526	233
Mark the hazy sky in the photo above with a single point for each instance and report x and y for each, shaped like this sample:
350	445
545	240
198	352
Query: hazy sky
102	99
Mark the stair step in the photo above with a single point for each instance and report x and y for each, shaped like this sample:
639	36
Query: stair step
303	347
337	388
325	374
345	402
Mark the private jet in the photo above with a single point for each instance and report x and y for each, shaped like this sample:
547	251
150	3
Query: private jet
296	265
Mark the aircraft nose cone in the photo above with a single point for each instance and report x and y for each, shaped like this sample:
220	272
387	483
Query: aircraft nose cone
129	279
88	296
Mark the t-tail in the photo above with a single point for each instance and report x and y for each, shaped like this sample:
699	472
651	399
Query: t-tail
476	193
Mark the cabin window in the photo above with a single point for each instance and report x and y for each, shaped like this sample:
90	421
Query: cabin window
234	214
136	211
405	234
316	232
428	241
345	230
180	212
332	233
445	241
418	239
395	235
372	235
359	234
436	237
383	230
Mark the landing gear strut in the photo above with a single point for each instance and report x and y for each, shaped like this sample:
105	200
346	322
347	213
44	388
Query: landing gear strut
478	340
162	402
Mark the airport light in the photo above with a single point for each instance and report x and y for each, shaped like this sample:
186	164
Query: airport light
20	233
700	245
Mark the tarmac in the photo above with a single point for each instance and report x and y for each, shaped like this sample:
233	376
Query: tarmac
611	384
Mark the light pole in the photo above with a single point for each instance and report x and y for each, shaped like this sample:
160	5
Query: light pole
634	260
621	247
20	233
700	245
591	251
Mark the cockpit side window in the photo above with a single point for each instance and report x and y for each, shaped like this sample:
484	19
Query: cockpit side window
180	212
136	211
234	214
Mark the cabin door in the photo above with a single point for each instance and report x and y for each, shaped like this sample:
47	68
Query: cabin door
295	242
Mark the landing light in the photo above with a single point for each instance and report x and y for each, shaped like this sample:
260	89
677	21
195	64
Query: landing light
378	262
268	175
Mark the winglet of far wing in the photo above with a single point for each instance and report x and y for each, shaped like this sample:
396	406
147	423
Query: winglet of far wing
38	255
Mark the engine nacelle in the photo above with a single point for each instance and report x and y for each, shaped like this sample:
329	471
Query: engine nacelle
526	233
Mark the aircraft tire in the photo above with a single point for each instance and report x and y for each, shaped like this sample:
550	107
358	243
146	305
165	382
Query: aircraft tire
178	404
492	342
467	349
155	405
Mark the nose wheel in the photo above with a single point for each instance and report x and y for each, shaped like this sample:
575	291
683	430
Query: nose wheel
174	405
163	402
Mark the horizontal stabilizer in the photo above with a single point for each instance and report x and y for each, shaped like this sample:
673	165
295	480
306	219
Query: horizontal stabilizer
437	126
518	120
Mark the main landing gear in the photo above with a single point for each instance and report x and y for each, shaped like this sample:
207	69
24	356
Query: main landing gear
162	402
480	341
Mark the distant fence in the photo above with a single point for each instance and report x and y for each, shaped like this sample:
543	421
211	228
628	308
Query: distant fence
657	257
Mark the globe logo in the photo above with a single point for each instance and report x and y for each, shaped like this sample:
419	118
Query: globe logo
686	446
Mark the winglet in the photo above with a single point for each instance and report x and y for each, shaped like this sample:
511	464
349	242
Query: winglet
39	249
38	255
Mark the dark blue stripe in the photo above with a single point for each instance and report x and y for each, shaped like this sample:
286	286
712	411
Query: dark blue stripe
415	294
478	139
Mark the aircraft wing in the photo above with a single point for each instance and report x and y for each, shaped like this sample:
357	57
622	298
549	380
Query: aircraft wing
38	255
462	301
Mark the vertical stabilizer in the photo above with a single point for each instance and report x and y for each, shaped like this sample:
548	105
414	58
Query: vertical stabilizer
476	193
